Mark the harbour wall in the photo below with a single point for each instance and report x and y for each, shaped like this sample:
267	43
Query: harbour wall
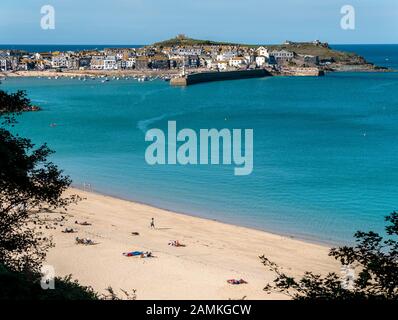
218	76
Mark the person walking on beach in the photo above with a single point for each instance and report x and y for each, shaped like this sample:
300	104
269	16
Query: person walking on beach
153	223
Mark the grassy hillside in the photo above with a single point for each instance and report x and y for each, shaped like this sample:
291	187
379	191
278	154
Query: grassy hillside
184	41
324	52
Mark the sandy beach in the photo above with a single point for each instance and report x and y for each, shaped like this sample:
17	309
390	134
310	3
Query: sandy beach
214	252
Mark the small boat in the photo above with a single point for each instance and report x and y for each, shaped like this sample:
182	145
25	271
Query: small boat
32	108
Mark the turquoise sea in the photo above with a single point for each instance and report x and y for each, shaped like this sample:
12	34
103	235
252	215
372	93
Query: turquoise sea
325	149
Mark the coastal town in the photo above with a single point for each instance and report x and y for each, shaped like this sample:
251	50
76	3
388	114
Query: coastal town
180	56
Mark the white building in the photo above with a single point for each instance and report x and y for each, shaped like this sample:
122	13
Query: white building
213	64
222	65
130	63
72	63
120	55
209	62
261	61
237	62
261	51
110	63
225	56
249	58
282	54
187	51
60	61
5	64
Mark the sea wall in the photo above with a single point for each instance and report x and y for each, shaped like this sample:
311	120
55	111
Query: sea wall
312	72
218	76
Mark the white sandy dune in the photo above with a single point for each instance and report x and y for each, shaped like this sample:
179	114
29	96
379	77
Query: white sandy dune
214	252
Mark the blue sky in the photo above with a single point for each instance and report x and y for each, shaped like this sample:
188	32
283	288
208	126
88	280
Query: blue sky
146	21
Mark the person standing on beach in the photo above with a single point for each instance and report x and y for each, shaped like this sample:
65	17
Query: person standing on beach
153	223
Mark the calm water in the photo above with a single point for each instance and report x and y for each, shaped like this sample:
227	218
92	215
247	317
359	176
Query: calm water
380	54
325	149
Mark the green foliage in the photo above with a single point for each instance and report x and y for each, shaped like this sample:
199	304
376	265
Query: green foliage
374	258
11	104
14	102
29	186
26	286
112	295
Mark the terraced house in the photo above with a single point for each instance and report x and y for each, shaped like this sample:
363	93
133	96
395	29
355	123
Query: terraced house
59	61
5	63
110	63
159	61
97	63
142	63
237	62
282	55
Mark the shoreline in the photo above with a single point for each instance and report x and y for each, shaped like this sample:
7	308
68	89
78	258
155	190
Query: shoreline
89	73
164	73
312	240
214	252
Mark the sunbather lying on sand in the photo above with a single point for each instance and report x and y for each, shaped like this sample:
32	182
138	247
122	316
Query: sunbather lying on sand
176	243
85	223
135	233
69	230
85	241
235	281
133	253
146	254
